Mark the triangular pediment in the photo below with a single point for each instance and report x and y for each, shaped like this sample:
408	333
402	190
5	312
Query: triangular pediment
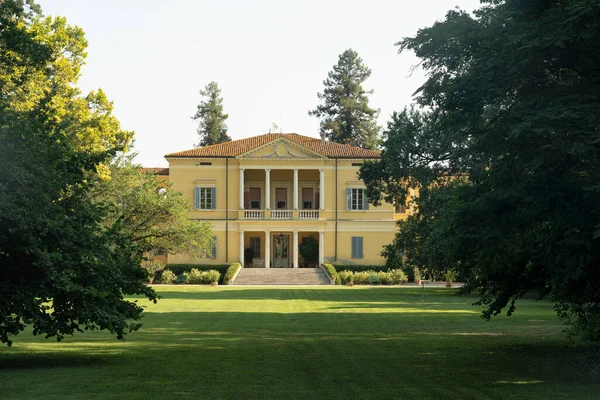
281	148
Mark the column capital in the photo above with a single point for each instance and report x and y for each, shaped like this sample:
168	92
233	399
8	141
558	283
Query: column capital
242	169
242	231
268	169
267	231
321	170
295	231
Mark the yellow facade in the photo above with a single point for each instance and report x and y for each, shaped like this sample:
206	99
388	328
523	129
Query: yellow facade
288	192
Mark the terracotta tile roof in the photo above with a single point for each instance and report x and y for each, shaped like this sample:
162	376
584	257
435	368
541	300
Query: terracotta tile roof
156	170
241	146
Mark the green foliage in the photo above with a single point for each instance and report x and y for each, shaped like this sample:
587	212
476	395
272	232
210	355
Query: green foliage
331	271
181	279
506	155
149	212
309	250
167	277
152	267
63	269
230	273
211	126
392	277
359	268
345	112
179	269
198	277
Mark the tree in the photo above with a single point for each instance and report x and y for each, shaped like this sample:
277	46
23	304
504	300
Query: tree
211	126
63	270
506	155
345	113
148	212
309	250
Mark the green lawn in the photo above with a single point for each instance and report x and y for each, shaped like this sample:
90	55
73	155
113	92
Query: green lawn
311	343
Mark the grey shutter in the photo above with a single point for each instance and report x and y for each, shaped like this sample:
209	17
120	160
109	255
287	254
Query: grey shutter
213	198
365	200
359	245
197	198
348	199
354	247
214	248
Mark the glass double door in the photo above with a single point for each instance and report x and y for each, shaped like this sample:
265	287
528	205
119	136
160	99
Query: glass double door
281	247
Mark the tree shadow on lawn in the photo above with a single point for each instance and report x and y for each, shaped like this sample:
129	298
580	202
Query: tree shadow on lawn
317	355
342	294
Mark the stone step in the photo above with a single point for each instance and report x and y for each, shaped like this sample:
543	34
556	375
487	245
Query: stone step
281	276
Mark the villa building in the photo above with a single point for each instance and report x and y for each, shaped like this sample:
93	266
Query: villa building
271	191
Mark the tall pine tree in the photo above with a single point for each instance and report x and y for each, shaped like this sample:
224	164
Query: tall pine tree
345	112
211	128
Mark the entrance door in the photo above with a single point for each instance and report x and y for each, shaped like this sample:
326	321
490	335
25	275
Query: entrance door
281	251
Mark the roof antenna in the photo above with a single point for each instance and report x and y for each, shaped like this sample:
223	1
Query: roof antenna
322	135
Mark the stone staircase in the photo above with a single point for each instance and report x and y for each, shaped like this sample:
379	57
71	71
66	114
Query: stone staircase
281	276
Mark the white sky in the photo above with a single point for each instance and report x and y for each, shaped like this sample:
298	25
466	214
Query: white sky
269	57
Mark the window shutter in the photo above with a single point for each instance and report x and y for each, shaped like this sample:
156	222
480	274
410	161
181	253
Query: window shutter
353	247
348	199
214	247
197	198
365	200
359	242
213	198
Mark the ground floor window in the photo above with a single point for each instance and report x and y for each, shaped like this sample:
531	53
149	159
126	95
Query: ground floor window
357	247
255	245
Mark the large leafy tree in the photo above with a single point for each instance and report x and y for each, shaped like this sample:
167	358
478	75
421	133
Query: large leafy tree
62	269
210	116
506	154
344	112
148	212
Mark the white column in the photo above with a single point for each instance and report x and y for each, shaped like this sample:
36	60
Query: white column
241	189
295	249
242	248
321	247
267	189
295	189
267	249
321	189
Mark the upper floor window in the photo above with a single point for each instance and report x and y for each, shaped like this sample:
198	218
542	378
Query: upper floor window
205	198
356	199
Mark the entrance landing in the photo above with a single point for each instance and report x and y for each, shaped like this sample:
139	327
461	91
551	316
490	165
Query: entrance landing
281	276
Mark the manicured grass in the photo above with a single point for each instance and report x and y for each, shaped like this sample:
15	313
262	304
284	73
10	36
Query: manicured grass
311	343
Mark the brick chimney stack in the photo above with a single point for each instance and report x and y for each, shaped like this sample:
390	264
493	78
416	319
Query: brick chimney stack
347	141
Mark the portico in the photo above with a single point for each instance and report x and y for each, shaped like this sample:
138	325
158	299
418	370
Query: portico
276	248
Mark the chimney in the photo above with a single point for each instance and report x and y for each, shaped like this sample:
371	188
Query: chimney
322	136
347	141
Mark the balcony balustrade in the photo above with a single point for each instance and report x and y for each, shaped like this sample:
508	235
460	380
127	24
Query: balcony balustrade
254	214
281	214
309	214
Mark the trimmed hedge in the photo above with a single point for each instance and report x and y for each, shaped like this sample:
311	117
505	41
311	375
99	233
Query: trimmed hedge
392	277
231	271
179	269
360	268
330	271
197	277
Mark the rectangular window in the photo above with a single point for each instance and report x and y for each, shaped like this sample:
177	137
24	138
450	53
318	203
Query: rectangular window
400	208
255	245
281	205
357	199
205	198
357	247
255	205
307	205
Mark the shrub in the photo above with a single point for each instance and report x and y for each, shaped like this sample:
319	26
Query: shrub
197	277
392	277
152	267
183	278
179	269
167	276
330	270
309	250
230	273
358	268
397	277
